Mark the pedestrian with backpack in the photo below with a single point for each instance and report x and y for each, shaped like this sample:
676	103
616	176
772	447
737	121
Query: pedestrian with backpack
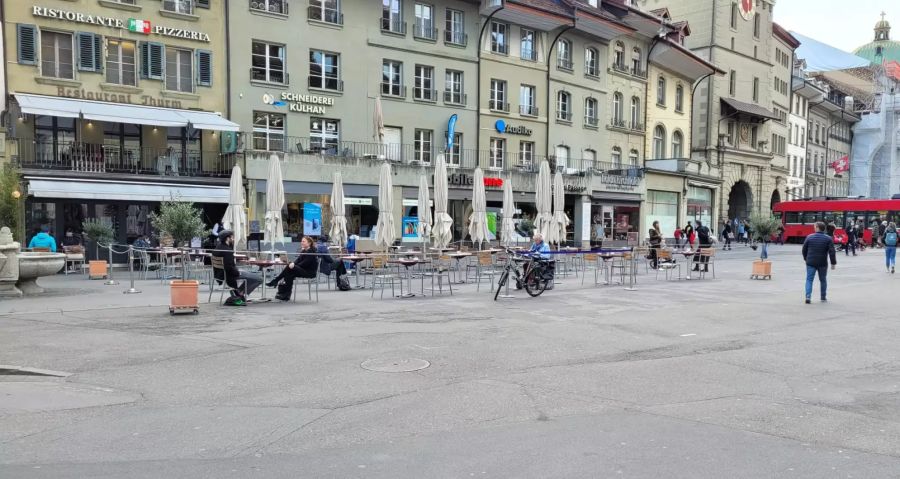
889	240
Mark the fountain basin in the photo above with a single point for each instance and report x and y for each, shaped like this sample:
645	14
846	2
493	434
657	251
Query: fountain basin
33	265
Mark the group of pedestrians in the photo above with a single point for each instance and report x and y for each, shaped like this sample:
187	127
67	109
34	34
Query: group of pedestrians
691	233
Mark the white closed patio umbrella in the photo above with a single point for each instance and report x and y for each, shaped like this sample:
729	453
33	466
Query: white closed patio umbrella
507	227
560	220
235	218
424	208
441	232
338	232
386	235
478	230
274	203
542	196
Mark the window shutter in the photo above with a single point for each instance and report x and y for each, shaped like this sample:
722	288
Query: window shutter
202	3
26	36
98	53
86	51
204	67
152	60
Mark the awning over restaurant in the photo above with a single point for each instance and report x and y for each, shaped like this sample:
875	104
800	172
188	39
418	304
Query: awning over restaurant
749	109
122	113
69	188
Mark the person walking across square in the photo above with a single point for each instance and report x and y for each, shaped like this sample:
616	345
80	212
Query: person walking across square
889	240
818	249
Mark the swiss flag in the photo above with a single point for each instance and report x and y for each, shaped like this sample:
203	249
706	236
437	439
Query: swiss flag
841	165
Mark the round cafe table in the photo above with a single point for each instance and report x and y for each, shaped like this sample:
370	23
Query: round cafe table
406	263
356	259
264	265
458	256
687	257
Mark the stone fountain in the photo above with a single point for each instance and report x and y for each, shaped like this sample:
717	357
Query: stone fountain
19	270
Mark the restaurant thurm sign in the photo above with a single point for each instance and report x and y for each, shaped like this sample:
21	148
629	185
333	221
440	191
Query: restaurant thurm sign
145	100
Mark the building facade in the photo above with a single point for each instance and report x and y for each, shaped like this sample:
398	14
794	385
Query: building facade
114	107
782	61
805	92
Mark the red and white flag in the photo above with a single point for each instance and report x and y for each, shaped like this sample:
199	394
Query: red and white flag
841	165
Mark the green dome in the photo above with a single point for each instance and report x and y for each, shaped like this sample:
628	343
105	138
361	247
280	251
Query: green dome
882	48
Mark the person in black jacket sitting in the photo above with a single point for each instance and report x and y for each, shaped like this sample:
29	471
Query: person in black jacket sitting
225	250
305	266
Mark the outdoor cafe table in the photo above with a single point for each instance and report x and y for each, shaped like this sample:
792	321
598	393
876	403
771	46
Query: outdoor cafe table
687	257
355	259
407	262
264	265
458	256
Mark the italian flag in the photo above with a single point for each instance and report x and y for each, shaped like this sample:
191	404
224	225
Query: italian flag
138	26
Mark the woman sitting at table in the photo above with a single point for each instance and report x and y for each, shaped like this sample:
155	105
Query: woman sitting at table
305	266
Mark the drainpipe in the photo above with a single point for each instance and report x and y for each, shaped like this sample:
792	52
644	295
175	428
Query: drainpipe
227	62
690	139
487	22
656	40
549	56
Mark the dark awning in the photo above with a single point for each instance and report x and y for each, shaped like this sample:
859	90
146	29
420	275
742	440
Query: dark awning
749	109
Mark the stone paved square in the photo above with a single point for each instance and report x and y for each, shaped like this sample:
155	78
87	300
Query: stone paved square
725	377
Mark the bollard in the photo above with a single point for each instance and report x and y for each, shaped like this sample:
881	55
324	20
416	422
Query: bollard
633	272
110	281
132	289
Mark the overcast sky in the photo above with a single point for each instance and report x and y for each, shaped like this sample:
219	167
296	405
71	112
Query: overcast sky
841	24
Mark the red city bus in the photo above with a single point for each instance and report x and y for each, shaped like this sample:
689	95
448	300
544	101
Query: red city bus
799	217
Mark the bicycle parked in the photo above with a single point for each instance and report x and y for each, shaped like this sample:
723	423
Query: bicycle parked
534	274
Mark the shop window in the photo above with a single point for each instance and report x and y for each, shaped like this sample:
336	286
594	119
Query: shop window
267	62
422	146
179	70
662	206
38	216
57	55
699	205
324	134
268	131
324	70
121	67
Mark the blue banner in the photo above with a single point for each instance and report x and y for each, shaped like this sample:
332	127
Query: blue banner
451	131
312	219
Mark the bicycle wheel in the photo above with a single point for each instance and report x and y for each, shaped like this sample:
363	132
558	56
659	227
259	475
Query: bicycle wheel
534	285
501	283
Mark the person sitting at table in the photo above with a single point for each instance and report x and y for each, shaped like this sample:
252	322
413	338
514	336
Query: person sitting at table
328	263
304	266
225	250
43	240
539	247
70	239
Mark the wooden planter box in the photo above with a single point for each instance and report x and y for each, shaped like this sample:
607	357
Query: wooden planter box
184	296
97	269
761	270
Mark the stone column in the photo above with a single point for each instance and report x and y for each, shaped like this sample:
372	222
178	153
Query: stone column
9	269
582	222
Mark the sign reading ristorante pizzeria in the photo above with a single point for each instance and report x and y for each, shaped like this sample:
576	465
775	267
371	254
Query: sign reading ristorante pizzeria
132	24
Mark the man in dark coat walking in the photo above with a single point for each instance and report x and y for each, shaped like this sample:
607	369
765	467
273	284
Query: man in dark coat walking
818	249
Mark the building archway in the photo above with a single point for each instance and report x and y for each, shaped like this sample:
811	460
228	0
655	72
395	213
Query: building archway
740	200
776	198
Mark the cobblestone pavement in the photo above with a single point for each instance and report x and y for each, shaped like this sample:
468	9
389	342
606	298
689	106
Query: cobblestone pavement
728	377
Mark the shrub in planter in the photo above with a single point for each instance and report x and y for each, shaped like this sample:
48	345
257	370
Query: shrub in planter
182	221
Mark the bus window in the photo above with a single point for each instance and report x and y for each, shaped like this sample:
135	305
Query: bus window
838	220
792	217
810	217
894	216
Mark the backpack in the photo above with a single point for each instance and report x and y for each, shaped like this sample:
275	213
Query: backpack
890	238
343	283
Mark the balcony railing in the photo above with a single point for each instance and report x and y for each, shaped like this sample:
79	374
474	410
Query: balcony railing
497	105
279	7
638	72
637	126
456	38
393	25
562	115
134	160
501	48
591	70
528	110
424	31
617	123
619	67
270	76
394	90
564	64
529	54
455	98
591	121
325	83
326	15
424	94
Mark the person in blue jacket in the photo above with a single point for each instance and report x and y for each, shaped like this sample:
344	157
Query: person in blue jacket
43	240
540	247
818	249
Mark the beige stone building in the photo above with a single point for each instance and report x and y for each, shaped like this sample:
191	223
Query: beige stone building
114	107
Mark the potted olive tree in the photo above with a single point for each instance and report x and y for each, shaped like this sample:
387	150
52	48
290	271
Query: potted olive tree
182	221
100	233
763	227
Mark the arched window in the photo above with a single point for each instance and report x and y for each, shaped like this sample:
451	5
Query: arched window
633	158
590	111
591	66
636	62
679	98
618	110
619	56
564	54
636	113
564	106
661	91
659	142
677	142
616	157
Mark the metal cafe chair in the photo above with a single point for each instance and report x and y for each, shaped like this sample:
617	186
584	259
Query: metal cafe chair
382	275
309	282
218	264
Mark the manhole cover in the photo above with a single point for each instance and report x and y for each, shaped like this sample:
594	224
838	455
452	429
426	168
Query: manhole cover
395	365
